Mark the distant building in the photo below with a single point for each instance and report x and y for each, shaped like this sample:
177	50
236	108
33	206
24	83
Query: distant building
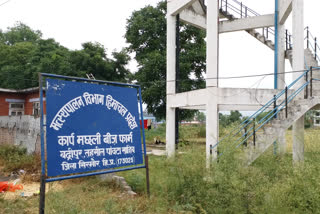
149	120
20	102
20	118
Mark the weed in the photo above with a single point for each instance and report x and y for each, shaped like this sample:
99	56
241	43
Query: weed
14	158
183	185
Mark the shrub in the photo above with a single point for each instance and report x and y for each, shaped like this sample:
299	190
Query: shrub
15	158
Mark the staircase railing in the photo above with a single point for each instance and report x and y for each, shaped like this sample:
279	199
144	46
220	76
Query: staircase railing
260	118
249	128
238	10
312	43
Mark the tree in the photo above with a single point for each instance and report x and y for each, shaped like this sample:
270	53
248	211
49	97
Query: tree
308	118
93	59
235	116
226	120
146	35
24	54
19	33
201	117
15	64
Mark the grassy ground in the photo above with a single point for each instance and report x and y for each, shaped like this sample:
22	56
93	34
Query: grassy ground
190	133
183	185
13	159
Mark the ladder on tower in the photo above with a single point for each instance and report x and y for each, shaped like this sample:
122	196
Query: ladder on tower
90	76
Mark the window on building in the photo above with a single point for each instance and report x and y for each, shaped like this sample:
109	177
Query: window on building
16	109
36	109
317	114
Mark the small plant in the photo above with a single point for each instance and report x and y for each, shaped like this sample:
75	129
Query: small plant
202	131
158	133
14	158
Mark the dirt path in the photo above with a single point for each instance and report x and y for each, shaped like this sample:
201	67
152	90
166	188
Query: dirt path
3	178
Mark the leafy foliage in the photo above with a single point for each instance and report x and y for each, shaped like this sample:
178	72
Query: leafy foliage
226	120
308	118
201	117
184	185
146	35
24	54
15	158
19	33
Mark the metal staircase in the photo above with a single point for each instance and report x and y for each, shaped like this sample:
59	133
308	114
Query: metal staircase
233	9
279	125
257	133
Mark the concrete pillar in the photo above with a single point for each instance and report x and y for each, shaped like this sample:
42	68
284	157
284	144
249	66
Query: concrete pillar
298	140
281	82
298	64
282	144
281	57
171	84
298	40
212	43
212	124
212	121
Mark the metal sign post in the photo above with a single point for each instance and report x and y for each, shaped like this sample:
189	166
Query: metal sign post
92	128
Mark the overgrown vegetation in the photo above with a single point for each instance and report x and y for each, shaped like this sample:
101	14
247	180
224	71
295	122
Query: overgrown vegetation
226	120
14	158
187	133
270	185
159	132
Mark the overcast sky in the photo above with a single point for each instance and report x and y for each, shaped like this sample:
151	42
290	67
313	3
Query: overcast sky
73	22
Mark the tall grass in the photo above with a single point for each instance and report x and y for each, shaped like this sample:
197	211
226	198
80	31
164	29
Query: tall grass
187	132
14	158
272	184
159	132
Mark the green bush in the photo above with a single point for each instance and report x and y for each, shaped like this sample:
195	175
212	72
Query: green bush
202	131
270	185
159	132
15	158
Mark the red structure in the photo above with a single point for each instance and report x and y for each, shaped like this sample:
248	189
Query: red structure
145	124
20	102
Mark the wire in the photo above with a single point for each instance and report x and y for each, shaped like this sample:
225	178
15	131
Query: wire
245	89
188	80
225	78
256	75
4	2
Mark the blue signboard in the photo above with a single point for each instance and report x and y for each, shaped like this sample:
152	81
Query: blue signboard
91	127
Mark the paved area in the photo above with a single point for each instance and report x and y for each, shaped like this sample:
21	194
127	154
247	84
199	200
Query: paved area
156	152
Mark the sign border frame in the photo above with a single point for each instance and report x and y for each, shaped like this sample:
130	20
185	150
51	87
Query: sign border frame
44	178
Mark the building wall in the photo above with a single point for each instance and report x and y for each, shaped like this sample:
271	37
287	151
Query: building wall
21	131
6	136
4	105
28	98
